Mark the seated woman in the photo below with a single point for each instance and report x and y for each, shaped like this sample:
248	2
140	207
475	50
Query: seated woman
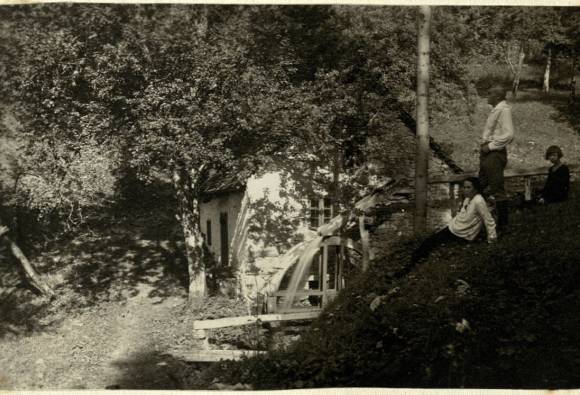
466	225
558	181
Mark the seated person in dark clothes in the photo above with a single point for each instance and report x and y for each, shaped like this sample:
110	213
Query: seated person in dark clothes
558	181
466	225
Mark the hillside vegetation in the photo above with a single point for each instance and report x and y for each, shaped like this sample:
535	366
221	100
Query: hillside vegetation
478	315
540	120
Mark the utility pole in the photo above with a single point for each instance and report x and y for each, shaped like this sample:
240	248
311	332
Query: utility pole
422	157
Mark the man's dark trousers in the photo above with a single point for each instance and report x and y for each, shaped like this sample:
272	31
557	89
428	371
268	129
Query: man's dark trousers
491	168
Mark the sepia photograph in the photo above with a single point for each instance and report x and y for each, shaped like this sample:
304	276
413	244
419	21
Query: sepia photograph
246	197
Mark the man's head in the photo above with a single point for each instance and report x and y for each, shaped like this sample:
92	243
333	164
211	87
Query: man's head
496	94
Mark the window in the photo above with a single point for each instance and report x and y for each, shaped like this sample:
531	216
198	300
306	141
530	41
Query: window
320	212
208	232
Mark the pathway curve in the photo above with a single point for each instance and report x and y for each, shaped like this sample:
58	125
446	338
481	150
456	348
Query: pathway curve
114	344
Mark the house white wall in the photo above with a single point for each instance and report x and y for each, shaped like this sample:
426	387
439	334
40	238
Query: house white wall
210	211
266	198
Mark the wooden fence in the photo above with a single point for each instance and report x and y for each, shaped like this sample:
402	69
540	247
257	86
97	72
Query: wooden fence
455	180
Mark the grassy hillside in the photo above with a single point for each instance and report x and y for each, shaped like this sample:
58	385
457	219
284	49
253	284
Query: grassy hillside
540	121
477	315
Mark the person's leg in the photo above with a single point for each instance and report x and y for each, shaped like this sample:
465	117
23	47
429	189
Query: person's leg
497	188
483	170
441	237
496	162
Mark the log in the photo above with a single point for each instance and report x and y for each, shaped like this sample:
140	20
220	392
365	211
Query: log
31	274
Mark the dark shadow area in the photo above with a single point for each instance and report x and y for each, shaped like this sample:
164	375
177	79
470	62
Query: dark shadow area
134	247
568	112
21	308
114	266
137	241
154	371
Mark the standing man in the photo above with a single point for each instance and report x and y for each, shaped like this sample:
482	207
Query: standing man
498	133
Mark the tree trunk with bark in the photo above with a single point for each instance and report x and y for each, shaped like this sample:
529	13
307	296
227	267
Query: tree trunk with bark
546	85
521	57
422	155
186	185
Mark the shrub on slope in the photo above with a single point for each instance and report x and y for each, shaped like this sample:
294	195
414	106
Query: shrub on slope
501	316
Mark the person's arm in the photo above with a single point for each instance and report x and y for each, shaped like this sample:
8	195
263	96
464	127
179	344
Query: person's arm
482	210
3	230
489	125
507	127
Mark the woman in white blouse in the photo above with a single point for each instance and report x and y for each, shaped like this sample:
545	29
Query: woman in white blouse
466	225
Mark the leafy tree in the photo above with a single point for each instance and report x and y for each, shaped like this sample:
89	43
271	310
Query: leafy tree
164	88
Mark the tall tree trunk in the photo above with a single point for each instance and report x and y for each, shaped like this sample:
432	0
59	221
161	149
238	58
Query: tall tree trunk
187	191
546	86
573	80
422	158
521	56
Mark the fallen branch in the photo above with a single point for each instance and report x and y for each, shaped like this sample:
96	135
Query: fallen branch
31	274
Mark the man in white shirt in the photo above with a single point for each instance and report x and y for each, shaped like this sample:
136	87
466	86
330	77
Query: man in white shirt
498	133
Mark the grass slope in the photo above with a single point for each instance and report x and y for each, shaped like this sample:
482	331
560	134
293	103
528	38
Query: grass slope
540	121
478	315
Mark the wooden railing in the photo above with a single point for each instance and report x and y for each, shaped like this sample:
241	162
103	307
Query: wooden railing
454	180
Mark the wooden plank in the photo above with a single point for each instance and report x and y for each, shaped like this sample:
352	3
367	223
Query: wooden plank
448	178
306	292
214	355
364	236
301	310
251	319
527	188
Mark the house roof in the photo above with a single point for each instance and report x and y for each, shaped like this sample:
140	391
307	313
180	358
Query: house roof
221	183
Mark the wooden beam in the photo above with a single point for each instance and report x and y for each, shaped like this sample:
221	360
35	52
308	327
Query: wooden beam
527	188
251	319
306	292
366	243
214	355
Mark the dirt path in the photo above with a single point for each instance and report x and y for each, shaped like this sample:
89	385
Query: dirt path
114	344
122	306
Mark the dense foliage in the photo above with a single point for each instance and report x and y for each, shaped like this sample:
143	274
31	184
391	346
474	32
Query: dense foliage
142	92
